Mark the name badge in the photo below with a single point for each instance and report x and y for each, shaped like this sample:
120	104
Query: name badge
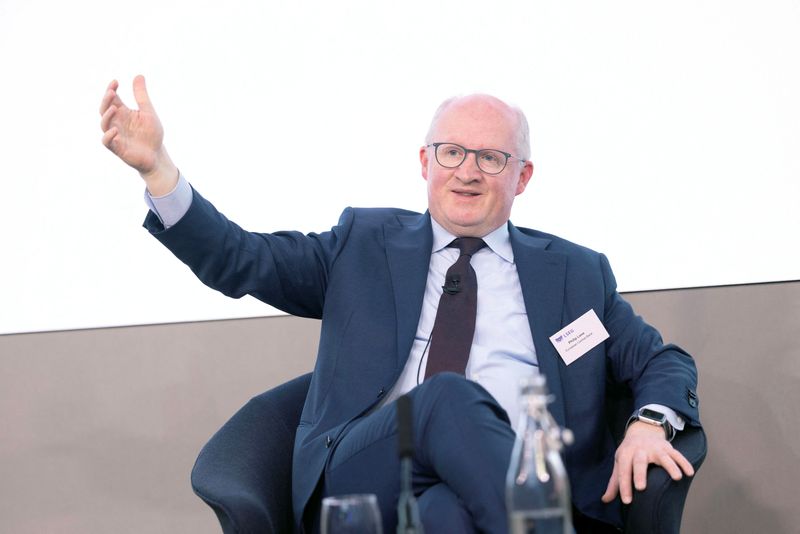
579	337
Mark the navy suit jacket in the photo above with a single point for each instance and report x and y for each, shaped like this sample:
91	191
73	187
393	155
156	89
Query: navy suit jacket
365	280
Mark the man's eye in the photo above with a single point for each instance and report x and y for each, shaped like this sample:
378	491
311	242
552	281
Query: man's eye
490	157
451	152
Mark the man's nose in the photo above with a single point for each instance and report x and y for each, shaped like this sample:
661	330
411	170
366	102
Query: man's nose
469	170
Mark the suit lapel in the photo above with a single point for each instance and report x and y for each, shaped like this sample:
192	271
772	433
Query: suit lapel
542	275
408	251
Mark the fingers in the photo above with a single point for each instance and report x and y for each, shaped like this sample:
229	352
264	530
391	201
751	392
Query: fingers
612	488
684	464
624	468
675	464
140	93
669	465
110	97
629	471
640	464
105	120
620	481
631	464
109	137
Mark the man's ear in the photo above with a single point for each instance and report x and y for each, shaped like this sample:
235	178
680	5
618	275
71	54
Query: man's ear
524	177
423	159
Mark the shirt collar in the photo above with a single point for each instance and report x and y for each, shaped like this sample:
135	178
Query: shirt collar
498	240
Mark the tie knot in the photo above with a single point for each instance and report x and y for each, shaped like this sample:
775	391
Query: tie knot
468	245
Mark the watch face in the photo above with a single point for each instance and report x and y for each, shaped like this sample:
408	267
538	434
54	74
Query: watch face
647	413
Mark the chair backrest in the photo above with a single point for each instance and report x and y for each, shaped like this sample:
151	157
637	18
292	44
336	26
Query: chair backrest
244	472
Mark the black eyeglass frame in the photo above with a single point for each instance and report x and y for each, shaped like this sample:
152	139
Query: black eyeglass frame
467	152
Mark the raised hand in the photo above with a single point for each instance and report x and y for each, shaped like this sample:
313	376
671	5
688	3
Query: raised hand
136	137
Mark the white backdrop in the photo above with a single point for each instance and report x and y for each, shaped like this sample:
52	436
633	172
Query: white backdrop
664	134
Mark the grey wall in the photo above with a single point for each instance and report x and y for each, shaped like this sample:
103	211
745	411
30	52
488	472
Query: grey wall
99	428
744	340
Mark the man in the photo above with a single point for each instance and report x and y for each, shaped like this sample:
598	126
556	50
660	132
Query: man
376	282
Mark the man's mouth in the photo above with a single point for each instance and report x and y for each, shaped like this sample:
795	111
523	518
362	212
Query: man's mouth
466	193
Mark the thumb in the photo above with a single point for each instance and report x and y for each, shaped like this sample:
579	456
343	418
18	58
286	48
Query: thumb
140	94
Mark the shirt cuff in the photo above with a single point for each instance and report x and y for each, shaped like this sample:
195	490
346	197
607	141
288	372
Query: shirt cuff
170	208
674	419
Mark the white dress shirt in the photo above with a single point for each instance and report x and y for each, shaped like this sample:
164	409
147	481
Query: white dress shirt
502	349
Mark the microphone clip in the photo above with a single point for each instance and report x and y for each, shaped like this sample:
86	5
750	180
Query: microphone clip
452	285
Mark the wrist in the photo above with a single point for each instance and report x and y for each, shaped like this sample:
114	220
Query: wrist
638	427
163	177
654	419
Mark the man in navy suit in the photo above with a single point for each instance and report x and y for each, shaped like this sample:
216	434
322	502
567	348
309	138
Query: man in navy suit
375	280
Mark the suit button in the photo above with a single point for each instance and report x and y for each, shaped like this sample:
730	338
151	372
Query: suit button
693	403
328	441
381	392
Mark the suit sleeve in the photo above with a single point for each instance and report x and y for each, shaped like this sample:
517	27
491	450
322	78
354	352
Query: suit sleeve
288	270
656	373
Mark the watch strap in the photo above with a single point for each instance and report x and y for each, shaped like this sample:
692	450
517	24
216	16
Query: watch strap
669	430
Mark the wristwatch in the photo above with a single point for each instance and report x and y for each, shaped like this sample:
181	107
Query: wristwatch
655	418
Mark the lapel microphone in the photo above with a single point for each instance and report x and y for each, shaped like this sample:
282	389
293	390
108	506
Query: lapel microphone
452	284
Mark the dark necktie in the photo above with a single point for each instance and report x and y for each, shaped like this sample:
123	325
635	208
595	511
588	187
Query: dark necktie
454	327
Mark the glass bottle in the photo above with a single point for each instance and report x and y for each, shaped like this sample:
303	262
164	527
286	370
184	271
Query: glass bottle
537	487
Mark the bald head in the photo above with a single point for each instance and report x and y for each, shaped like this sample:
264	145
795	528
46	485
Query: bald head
464	199
481	104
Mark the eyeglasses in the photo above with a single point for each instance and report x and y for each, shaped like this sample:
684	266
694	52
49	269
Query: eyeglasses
490	161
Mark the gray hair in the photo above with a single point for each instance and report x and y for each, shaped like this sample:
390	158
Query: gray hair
523	131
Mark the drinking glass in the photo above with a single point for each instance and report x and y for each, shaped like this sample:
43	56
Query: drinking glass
351	514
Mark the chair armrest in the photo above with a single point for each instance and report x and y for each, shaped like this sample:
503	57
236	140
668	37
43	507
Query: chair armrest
659	508
244	472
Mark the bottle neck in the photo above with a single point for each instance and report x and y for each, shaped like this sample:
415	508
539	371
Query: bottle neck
534	404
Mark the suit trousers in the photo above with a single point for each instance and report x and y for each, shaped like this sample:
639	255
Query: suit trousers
462	448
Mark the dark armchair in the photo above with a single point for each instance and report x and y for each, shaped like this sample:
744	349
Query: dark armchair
244	471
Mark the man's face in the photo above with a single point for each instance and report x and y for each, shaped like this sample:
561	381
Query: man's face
466	201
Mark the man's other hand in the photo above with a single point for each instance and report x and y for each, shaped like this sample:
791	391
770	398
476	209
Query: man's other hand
644	444
136	137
